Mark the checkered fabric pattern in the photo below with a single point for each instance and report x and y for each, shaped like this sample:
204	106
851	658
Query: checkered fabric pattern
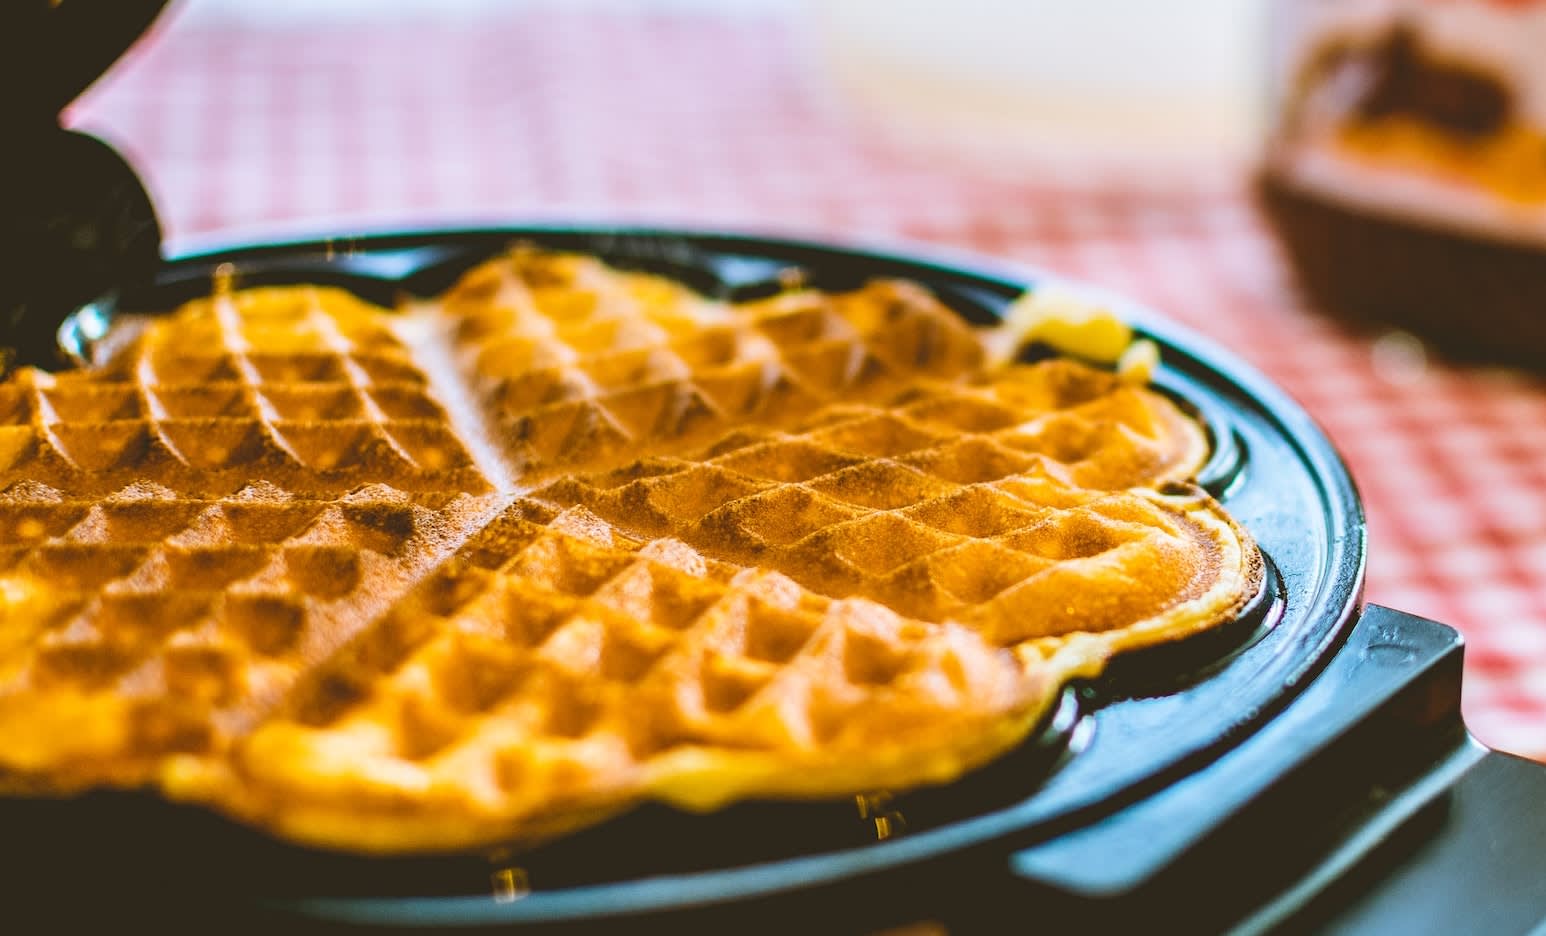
718	120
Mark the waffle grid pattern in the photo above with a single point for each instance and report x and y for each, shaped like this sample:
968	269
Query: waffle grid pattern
623	654
580	364
248	648
306	388
185	618
561	665
682	626
934	508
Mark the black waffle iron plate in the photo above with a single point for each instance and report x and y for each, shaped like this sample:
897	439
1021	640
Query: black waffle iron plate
1304	767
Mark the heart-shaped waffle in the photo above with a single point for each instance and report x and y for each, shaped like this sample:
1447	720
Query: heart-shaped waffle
501	564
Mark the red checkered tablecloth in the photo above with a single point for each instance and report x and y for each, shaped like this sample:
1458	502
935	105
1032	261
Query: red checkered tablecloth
718	120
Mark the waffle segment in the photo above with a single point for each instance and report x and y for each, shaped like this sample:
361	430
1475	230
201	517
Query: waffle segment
306	388
559	668
584	367
145	623
589	668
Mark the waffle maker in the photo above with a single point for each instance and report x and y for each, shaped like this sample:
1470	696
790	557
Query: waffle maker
1305	768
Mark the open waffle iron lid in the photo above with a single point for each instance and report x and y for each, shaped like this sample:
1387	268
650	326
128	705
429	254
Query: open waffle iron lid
77	219
1154	718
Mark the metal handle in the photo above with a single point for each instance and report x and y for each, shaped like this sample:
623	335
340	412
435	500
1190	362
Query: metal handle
1255	836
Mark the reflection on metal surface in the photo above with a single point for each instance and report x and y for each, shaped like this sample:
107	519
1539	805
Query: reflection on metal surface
222	280
340	247
80	332
792	278
889	825
877	807
510	884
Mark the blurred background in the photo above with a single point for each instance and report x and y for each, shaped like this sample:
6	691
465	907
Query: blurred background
616	105
1112	140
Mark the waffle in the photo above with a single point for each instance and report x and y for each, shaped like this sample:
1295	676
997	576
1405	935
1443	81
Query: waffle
581	367
308	389
501	564
559	669
187	528
146	624
941	506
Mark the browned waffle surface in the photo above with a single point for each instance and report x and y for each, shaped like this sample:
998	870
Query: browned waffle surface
146	623
504	563
560	668
581	366
310	389
884	499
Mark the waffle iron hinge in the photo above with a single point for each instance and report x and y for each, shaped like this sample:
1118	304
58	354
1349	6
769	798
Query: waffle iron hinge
1371	749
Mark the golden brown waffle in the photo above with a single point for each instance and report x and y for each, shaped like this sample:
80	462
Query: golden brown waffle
943	505
497	567
188	527
146	623
559	669
582	367
308	389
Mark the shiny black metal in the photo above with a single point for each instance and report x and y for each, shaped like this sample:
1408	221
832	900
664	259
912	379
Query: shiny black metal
1363	808
75	220
51	50
1472	863
1146	727
1293	801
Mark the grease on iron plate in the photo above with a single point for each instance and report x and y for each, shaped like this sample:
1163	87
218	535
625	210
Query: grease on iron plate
502	564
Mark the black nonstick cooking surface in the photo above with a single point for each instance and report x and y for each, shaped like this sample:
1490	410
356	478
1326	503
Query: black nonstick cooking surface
1156	717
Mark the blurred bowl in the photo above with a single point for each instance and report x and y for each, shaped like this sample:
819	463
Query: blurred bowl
1406	170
